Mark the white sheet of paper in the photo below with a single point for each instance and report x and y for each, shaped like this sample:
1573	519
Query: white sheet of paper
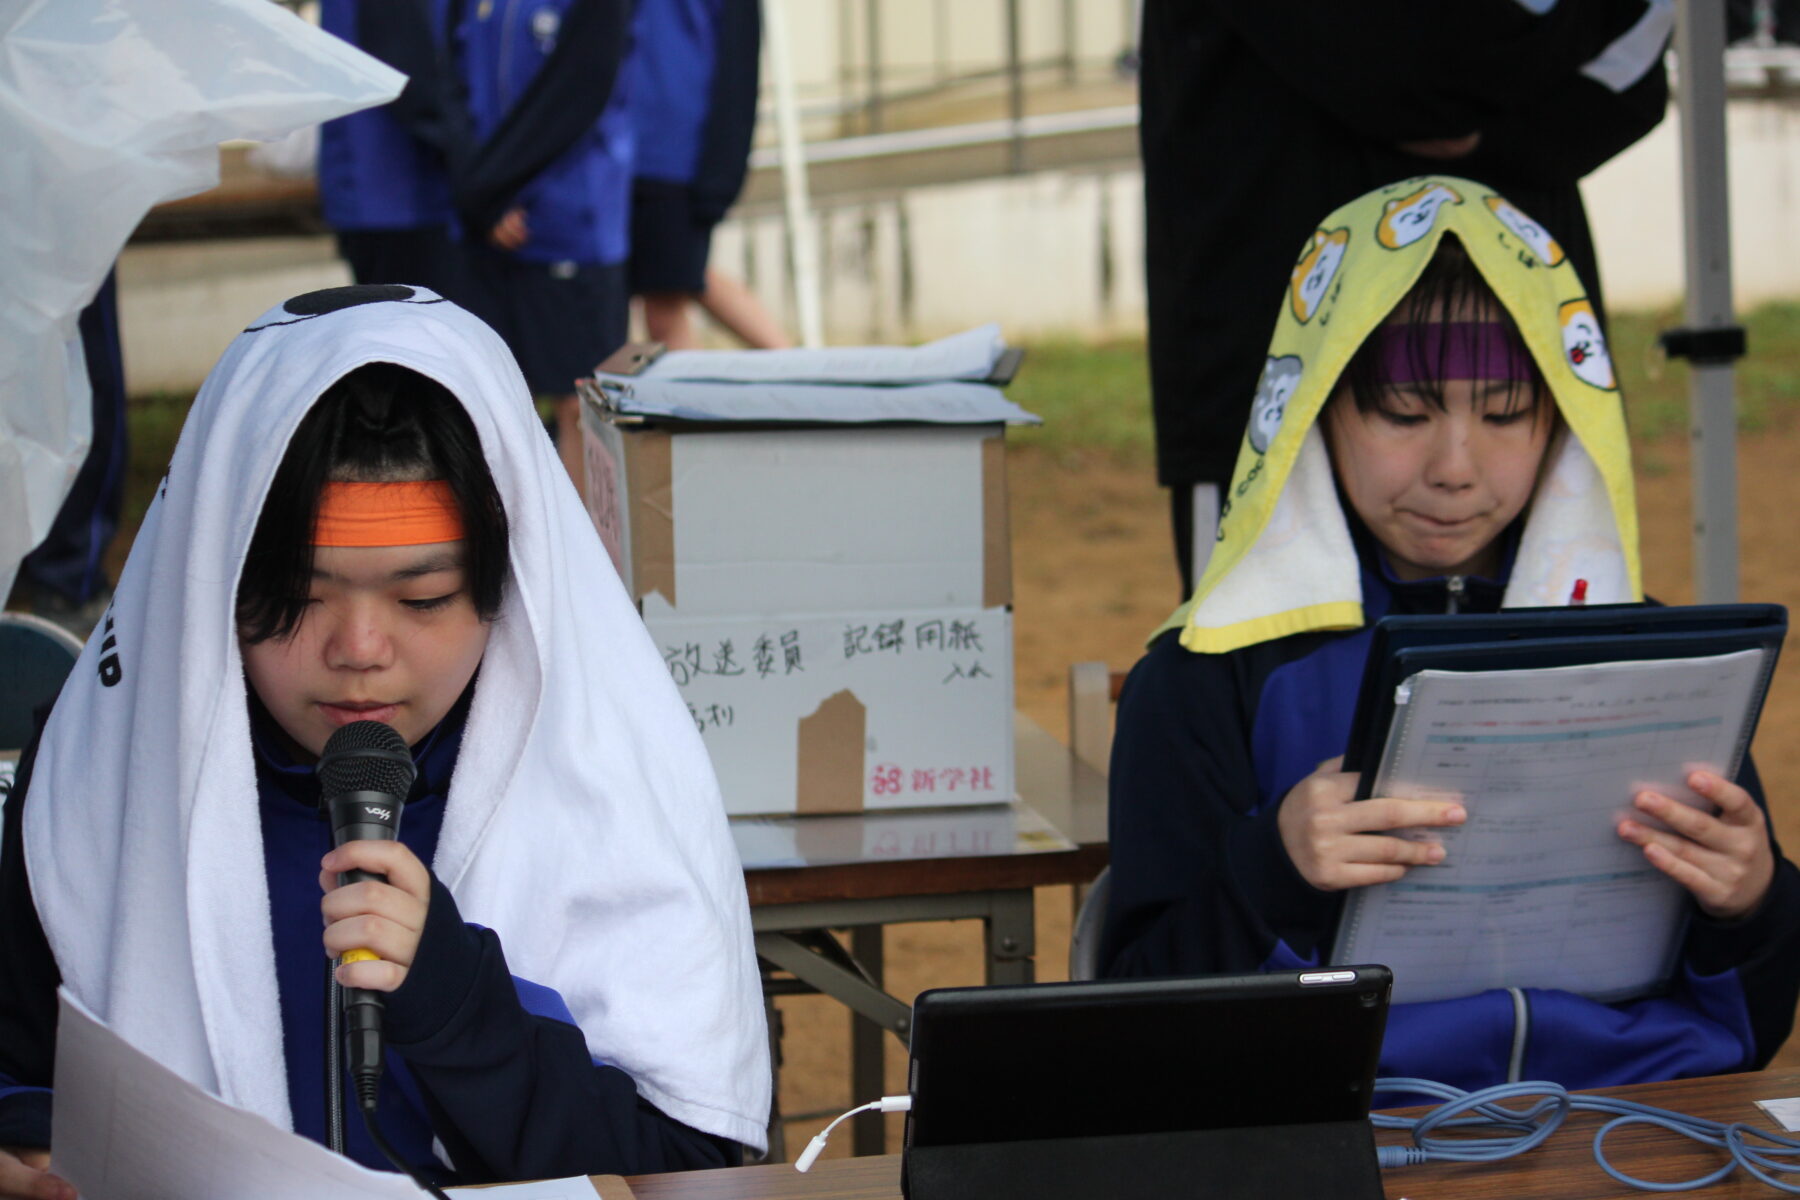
1537	889
576	1187
1785	1112
128	1127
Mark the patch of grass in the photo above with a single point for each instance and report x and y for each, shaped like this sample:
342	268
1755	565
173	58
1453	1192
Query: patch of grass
1766	386
1091	397
1655	387
153	423
1095	398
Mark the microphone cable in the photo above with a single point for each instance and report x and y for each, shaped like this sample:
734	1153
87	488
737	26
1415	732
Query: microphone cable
334	1062
367	1085
1505	1132
367	1108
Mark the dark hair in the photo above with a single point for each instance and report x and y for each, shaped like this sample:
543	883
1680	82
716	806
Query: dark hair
380	423
1453	286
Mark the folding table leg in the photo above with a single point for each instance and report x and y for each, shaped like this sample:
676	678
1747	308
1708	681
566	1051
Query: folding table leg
1011	938
868	1062
777	1135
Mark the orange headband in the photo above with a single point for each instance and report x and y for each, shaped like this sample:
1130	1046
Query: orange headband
387	514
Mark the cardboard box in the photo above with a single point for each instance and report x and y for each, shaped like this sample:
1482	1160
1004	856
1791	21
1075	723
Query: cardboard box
832	597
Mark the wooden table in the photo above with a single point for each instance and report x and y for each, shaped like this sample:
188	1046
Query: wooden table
1561	1169
991	881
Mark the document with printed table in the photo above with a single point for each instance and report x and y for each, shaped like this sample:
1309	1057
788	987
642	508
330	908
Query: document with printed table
1536	888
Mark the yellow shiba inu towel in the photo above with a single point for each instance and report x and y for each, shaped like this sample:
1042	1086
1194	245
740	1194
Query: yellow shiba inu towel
1284	563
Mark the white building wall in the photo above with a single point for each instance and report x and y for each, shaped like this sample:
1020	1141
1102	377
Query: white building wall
1634	206
1053	253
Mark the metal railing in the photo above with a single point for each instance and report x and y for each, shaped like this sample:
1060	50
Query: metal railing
877	86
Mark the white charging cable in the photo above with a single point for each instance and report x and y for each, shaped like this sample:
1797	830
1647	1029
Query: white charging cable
886	1104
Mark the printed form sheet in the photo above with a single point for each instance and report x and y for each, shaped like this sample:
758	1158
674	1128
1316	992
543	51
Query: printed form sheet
1537	889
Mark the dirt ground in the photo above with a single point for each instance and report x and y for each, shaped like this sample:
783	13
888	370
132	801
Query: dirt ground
1094	573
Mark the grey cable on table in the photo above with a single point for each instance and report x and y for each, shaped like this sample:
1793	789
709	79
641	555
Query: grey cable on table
1485	1109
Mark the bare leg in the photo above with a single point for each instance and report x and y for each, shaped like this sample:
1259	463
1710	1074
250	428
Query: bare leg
736	307
568	440
666	320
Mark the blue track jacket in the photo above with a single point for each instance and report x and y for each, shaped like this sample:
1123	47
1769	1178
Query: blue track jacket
548	112
489	1067
384	168
693	74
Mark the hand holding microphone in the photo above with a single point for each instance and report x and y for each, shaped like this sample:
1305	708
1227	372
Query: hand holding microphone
376	890
373	926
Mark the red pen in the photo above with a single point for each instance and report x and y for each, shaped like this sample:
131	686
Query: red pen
1578	594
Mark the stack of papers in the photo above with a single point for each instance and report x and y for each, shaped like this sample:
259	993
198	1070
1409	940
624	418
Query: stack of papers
942	382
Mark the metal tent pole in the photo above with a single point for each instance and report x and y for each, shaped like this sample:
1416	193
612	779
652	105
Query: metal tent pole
1712	340
872	102
803	237
1015	89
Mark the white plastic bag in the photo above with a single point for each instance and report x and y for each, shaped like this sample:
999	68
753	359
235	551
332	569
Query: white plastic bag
108	107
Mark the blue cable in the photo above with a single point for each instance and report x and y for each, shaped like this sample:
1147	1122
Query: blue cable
1513	1131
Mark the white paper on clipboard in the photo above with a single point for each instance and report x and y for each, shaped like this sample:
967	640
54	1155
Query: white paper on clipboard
1537	889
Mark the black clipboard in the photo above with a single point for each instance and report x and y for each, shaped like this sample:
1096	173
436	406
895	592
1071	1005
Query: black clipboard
1530	638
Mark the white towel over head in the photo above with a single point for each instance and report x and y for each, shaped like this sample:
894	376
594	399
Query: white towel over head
583	822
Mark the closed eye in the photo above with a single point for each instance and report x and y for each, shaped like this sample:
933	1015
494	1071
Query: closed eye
431	603
1404	420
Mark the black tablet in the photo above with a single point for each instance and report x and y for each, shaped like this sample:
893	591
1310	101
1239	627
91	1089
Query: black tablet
1127	1057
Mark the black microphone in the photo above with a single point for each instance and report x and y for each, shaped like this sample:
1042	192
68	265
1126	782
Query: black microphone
364	776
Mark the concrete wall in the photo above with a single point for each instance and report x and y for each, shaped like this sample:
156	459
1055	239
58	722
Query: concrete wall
1050	253
1054	253
1634	205
180	303
921	42
1063	252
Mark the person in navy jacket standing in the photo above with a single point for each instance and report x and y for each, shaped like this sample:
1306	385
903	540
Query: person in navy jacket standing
543	196
384	182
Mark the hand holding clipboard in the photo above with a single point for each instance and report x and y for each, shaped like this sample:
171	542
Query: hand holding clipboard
1544	726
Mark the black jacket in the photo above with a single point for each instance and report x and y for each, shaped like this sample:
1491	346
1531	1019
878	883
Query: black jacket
1262	116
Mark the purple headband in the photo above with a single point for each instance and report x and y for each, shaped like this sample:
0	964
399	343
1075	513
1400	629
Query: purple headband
1471	350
